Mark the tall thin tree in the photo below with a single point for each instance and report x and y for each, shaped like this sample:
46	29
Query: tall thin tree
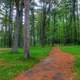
26	29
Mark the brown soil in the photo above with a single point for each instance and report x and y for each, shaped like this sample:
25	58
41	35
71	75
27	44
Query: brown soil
57	66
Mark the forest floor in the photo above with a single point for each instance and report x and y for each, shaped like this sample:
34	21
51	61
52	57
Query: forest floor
12	64
75	51
57	66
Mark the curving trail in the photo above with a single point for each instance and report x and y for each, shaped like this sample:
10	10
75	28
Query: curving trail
57	66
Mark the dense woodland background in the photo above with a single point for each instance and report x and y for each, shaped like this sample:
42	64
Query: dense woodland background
39	22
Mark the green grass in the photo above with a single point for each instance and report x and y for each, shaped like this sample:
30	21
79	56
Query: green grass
12	64
75	51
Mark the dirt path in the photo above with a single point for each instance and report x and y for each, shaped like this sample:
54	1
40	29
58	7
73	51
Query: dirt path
57	66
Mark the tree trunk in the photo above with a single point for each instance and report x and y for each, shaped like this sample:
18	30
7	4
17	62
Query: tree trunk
26	30
33	28
20	44
16	31
10	25
43	27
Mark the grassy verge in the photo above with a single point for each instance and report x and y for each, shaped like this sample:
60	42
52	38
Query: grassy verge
12	64
75	51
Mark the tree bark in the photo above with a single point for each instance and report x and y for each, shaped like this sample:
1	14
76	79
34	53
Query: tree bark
26	30
16	31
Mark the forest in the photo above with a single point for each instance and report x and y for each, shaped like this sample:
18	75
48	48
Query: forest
30	28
